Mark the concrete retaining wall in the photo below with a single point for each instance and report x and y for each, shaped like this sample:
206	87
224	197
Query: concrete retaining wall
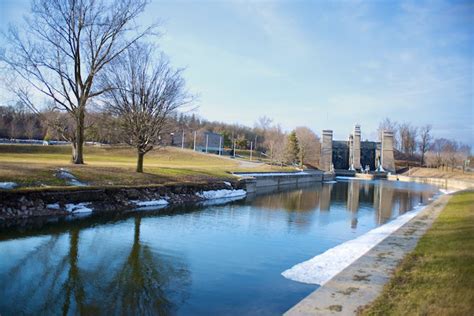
445	183
254	183
361	282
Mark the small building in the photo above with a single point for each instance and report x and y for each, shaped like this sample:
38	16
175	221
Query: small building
210	142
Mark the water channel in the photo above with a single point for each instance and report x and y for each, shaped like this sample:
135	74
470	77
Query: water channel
192	260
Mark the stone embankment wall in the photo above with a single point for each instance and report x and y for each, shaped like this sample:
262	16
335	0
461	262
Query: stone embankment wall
255	182
31	203
445	183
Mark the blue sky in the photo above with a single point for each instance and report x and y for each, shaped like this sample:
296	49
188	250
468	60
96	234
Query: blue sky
322	64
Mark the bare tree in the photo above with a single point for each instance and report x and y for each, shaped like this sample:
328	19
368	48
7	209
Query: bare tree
435	155
66	44
450	154
309	146
275	144
263	123
261	126
425	141
408	135
279	150
144	96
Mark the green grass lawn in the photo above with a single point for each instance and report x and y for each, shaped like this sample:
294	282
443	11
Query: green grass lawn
437	278
33	166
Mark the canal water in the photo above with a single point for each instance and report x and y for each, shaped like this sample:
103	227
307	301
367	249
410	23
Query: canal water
194	260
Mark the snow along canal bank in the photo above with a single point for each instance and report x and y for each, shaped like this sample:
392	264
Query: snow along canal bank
59	202
211	197
221	194
8	185
362	281
322	268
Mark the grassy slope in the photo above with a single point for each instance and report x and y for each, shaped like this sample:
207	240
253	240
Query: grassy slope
437	278
437	173
31	165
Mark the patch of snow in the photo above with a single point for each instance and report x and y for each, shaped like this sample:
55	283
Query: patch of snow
221	201
8	185
443	191
272	174
221	194
150	205
325	266
350	178
65	174
77	183
228	184
78	208
53	206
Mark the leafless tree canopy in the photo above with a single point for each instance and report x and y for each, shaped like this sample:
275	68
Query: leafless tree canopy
444	153
310	146
425	141
64	46
146	91
408	138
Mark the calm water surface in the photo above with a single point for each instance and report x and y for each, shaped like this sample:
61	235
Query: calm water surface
207	260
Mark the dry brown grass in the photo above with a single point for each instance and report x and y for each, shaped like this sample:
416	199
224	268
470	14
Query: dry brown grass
438	173
31	166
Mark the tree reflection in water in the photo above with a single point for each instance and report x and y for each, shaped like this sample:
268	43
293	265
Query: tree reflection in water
50	281
385	198
144	285
134	263
299	204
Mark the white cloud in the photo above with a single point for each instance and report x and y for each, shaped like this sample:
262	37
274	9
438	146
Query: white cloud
281	28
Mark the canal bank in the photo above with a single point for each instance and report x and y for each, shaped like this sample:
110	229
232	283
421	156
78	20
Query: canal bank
22	204
255	182
362	281
448	184
188	255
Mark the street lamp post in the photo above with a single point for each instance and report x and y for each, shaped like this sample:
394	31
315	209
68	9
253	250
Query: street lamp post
251	149
194	145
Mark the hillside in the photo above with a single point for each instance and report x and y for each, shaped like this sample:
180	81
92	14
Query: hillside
35	166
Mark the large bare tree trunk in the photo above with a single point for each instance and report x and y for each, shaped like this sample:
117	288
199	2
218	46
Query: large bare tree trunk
78	157
140	161
74	151
64	46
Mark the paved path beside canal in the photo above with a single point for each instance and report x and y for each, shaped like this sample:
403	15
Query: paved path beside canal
361	282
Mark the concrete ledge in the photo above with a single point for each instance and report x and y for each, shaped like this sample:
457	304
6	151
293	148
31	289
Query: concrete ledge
361	282
445	183
253	182
367	176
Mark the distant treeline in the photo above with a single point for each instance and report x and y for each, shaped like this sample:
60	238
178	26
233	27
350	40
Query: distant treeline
299	146
414	143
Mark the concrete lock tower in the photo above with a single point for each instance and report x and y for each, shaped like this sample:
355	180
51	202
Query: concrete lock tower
388	162
326	151
356	148
351	152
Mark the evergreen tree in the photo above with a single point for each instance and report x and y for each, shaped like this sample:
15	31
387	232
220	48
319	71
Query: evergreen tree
293	148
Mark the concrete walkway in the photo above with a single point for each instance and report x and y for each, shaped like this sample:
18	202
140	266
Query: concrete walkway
361	282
